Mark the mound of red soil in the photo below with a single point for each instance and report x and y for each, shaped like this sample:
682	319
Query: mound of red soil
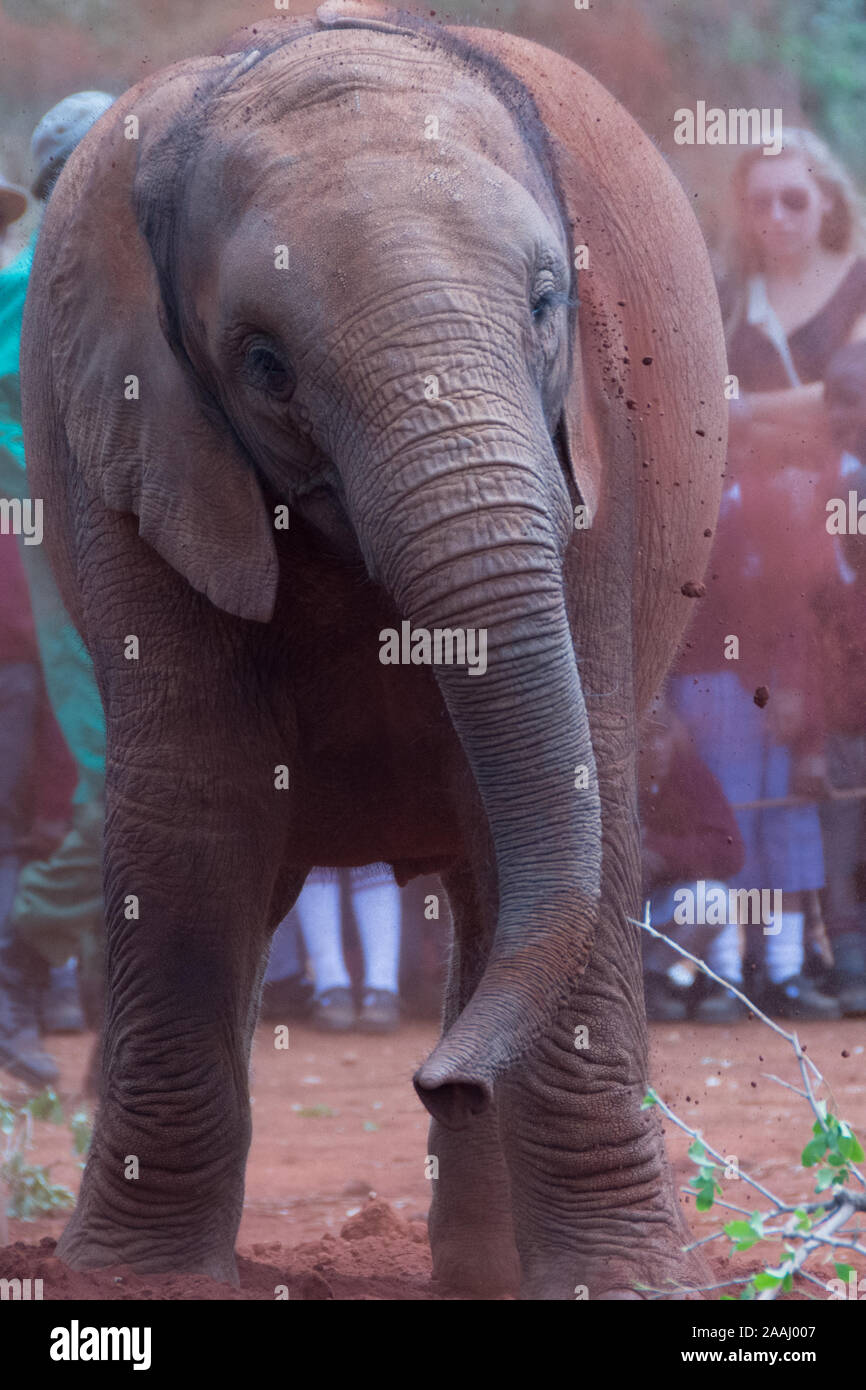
377	1255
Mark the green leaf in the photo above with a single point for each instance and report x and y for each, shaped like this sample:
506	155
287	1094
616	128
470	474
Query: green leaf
80	1127
766	1280
825	1178
788	1282
31	1192
844	1271
697	1151
802	1220
45	1106
851	1149
649	1099
739	1230
814	1151
743	1234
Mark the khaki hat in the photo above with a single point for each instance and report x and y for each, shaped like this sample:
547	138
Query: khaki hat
13	202
59	132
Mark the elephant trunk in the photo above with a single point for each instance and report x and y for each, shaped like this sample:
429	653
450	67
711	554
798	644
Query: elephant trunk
484	550
527	741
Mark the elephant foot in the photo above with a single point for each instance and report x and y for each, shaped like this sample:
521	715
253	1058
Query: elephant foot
81	1251
623	1278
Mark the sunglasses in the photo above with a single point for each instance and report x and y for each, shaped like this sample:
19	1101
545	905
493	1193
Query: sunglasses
792	200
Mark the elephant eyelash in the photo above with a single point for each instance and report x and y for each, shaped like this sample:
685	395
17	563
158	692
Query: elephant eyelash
549	300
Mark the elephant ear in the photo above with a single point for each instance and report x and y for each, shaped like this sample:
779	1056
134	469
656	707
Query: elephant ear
138	429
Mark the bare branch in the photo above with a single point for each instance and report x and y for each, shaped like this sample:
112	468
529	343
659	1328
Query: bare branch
726	984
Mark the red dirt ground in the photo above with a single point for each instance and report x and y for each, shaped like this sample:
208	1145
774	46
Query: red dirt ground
336	1120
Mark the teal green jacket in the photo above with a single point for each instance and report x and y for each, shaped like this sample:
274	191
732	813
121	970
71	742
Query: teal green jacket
67	668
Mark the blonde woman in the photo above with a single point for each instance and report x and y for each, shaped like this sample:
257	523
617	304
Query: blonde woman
796	290
794	295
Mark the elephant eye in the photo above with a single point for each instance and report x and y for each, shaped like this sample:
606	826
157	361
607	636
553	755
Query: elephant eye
545	299
266	370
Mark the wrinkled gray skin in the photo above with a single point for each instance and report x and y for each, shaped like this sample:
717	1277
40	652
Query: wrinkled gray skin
409	257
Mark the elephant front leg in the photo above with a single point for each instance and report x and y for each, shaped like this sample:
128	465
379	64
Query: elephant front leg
188	886
470	1227
595	1210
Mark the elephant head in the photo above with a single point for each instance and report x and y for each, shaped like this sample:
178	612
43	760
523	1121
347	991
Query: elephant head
335	271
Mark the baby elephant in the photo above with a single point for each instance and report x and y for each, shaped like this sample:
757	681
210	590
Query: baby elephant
357	351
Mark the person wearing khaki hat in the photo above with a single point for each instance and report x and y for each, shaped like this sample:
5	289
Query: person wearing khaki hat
57	913
59	132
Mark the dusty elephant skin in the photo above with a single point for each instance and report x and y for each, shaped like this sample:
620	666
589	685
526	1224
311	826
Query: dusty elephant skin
413	253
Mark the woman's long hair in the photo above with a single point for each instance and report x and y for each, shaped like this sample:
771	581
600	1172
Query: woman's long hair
843	227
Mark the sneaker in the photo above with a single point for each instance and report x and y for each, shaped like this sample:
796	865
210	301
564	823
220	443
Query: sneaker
24	975
663	1004
61	1003
799	998
333	1010
719	1006
380	1011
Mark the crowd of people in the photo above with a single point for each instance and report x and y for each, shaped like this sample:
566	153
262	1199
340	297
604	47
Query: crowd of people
52	777
765	722
753	765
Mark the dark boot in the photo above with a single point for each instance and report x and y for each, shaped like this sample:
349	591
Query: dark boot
61	1003
24	977
847	979
664	1002
719	1006
800	999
